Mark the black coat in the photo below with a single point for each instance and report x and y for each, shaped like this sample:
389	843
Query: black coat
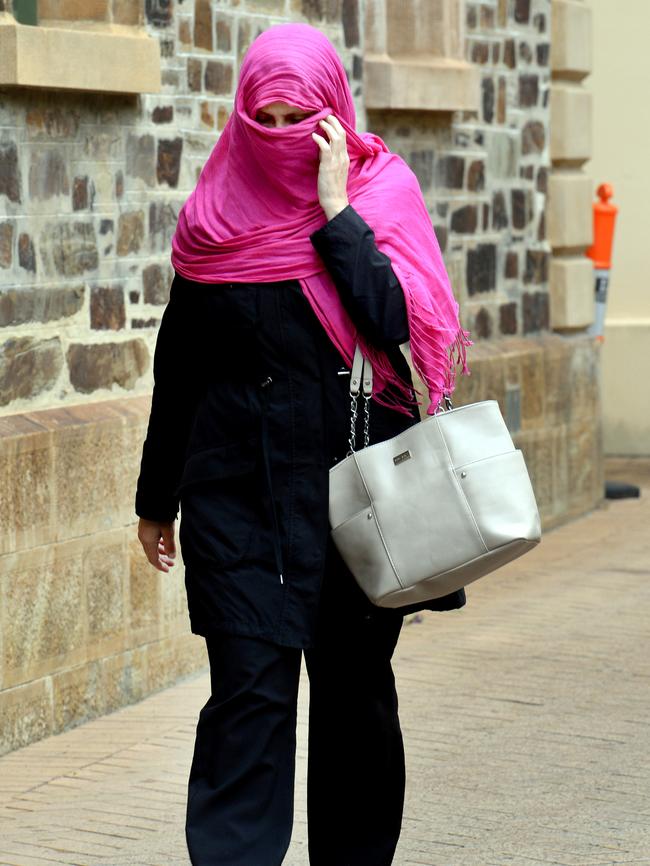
250	409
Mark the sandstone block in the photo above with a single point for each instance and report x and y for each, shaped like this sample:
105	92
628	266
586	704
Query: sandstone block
535	311
77	695
103	365
522	11
65	56
163	216
533	387
6	244
481	268
69	249
9	171
465	219
123	678
80	193
107	311
537	448
43	622
26	252
584	379
218	77
533	137
476	176
203	24
26	484
163	114
105	575
570	219
48	174
141	157
571	122
450	171
154	283
169	161
145	593
224	34
194	73
571	289
537	262
51	122
74	10
508	318
571	37
130	232
158	12
88	447
171	657
314	10
25	714
557	379
22	305
28	367
127	12
584	475
423	83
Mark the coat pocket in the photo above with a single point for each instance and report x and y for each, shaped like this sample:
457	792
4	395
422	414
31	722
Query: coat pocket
219	494
230	460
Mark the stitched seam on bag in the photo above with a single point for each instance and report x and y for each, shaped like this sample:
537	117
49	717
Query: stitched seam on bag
460	488
381	534
484	459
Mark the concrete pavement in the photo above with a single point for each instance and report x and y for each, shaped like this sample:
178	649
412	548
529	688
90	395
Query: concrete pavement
526	718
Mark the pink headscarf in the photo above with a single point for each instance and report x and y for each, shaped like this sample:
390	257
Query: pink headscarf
256	203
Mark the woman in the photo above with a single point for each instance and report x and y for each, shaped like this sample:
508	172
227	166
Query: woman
277	277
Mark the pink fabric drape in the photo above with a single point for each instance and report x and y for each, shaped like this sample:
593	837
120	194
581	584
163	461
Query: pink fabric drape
256	203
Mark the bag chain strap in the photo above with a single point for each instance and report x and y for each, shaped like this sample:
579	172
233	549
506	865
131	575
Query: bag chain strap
360	380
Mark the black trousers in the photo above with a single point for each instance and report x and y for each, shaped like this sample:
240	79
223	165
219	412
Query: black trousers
240	792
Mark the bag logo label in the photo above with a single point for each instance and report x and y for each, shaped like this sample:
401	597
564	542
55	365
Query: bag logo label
405	455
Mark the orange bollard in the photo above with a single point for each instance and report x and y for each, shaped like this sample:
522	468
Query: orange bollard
601	253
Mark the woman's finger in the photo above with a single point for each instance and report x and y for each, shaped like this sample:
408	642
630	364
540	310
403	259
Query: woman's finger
320	141
330	130
336	123
167	532
151	552
163	555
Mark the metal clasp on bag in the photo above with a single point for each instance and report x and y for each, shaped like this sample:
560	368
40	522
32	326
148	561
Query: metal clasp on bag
446	399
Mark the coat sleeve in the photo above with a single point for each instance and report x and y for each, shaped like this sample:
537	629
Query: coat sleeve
174	401
364	277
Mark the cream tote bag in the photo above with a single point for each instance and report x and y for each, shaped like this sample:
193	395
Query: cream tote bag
441	504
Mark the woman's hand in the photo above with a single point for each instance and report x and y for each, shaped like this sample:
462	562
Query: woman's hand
334	167
157	539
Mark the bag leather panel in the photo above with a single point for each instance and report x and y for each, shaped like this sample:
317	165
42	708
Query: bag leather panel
347	493
500	494
473	432
445	534
360	545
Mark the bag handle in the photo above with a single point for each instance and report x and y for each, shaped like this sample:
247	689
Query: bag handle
360	380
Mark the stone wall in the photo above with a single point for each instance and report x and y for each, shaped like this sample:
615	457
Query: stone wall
484	175
91	185
86	625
